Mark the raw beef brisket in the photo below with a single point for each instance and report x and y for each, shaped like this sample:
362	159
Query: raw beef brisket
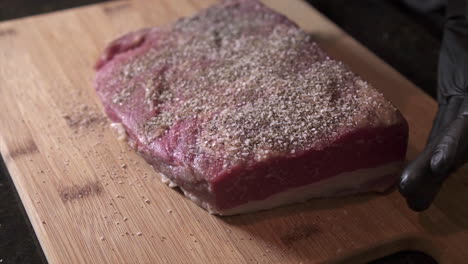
243	111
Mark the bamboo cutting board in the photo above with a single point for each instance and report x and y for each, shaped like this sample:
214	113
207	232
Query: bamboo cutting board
93	200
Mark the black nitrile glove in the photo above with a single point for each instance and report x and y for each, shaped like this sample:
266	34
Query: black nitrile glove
448	143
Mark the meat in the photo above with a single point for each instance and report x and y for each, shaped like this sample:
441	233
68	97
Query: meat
243	111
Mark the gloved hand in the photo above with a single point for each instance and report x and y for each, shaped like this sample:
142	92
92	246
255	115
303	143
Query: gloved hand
448	142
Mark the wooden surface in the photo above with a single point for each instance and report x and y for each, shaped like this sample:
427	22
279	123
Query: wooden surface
77	193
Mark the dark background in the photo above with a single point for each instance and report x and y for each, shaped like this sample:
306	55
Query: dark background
406	39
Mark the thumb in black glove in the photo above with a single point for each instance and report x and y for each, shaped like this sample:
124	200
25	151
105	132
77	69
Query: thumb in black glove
448	143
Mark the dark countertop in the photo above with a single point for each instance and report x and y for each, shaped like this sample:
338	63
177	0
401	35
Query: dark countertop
407	40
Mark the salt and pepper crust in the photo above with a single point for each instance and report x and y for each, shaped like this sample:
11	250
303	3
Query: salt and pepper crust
237	98
252	89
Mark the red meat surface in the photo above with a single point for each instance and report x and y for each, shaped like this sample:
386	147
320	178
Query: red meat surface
244	111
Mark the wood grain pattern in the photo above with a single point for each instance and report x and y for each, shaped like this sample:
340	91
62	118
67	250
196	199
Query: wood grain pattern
86	207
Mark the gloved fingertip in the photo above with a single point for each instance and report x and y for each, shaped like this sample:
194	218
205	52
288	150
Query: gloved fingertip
440	162
437	160
419	205
424	197
404	185
410	179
